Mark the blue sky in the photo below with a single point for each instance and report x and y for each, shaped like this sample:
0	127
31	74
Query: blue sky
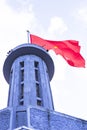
53	20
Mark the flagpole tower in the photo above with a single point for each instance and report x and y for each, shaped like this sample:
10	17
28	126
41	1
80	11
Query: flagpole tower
28	70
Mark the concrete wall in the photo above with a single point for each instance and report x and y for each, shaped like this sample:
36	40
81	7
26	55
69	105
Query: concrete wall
45	120
5	116
40	119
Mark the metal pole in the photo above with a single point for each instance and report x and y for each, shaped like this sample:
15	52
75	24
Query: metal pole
28	36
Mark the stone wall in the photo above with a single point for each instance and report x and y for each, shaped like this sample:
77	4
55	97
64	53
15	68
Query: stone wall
45	120
5	115
39	119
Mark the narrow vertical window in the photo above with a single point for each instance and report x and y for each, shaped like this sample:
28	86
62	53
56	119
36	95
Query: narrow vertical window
22	71
36	65
22	75
37	90
21	96
36	74
22	64
38	87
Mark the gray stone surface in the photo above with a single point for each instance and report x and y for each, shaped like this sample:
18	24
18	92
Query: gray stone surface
21	118
46	120
5	115
39	119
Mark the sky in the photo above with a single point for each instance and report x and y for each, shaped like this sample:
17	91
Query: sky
52	20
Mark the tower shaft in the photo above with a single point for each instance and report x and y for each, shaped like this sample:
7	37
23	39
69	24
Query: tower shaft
29	83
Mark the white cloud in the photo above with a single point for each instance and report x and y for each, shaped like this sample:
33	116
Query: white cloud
13	25
82	15
57	25
19	5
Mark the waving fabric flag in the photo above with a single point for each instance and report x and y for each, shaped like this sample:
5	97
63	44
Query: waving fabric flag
69	49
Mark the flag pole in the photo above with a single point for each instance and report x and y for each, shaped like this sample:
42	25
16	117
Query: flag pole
28	36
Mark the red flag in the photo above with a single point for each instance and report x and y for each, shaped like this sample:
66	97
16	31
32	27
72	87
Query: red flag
69	49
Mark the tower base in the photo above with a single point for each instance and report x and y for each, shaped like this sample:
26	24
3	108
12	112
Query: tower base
36	118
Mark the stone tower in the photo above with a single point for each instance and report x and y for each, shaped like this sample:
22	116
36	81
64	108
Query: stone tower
28	70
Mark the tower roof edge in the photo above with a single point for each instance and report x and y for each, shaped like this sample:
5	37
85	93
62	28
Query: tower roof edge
27	49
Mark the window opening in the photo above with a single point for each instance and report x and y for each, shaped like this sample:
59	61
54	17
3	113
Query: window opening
22	91
22	94
21	102
36	65
22	64
39	102
22	75
21	97
37	90
36	75
38	87
22	70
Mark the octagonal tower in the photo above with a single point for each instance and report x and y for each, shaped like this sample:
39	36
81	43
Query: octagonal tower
28	69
